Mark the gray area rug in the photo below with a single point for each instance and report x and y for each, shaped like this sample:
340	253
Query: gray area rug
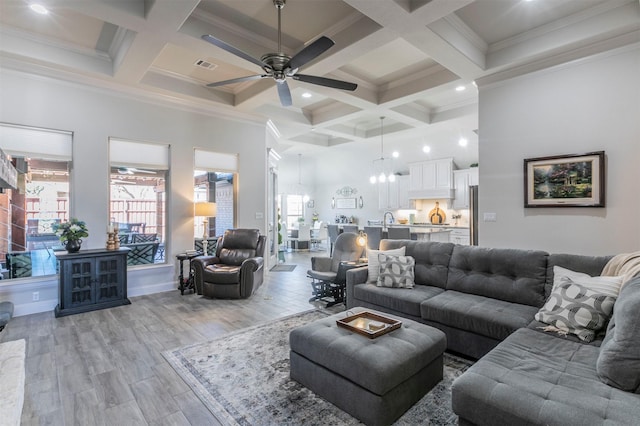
243	379
283	268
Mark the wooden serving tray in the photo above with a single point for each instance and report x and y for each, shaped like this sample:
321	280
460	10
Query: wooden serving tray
369	324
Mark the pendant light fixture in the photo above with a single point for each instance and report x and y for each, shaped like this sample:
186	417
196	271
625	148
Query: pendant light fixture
305	197
382	163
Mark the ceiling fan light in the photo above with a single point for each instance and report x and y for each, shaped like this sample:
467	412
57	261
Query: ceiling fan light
372	179
392	177
382	178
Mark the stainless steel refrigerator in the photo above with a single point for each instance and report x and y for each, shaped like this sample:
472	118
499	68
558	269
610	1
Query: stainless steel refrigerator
473	215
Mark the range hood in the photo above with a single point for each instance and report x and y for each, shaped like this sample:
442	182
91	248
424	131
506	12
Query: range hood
8	173
431	194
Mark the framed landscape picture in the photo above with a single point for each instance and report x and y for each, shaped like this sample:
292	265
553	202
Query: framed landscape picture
575	180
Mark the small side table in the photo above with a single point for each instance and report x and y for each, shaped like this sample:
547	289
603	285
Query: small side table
186	283
340	283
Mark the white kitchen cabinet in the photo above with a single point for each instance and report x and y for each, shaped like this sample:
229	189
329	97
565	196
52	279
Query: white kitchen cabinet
404	202
462	179
388	195
460	236
440	237
431	179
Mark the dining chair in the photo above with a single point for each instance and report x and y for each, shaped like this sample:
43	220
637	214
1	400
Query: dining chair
350	228
399	233
304	236
319	236
374	235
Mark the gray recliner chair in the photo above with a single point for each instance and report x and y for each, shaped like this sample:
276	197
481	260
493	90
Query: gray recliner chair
236	271
327	276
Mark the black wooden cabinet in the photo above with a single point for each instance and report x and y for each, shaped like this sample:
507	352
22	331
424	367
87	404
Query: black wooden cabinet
92	279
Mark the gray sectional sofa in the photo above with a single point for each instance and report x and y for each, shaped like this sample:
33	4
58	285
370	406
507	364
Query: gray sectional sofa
485	301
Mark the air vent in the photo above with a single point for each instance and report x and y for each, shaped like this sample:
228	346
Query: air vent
203	63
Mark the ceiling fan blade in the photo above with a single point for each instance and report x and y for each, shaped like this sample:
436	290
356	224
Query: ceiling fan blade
310	52
328	82
239	53
284	93
236	80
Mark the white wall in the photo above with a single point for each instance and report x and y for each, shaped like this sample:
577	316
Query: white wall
589	105
95	115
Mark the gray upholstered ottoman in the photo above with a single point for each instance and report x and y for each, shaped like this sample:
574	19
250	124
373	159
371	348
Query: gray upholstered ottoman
374	380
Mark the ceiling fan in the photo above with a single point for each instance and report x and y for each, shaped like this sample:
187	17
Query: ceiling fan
279	66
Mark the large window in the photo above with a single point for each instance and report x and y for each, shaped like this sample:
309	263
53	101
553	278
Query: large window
295	210
138	199
39	200
215	177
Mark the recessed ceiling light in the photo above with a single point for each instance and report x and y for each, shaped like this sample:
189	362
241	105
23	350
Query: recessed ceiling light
463	142
426	149
461	88
395	154
306	95
38	8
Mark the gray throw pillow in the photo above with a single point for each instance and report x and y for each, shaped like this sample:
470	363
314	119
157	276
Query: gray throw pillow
573	308
396	271
619	359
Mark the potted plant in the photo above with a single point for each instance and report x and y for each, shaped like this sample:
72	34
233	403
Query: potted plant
71	234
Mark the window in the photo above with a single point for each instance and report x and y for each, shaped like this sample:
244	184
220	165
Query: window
215	178
40	200
295	210
138	198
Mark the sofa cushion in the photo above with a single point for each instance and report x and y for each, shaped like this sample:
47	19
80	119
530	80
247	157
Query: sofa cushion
478	314
222	274
573	308
432	259
619	360
536	378
396	271
516	276
374	263
402	300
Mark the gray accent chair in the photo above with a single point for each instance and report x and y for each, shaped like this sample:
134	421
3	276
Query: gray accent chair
236	271
324	272
6	312
333	231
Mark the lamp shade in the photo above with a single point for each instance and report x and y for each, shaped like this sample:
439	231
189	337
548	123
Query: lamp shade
205	209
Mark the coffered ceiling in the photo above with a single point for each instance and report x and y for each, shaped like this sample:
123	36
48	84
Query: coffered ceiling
407	56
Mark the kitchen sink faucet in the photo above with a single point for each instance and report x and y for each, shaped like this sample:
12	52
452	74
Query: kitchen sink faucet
384	218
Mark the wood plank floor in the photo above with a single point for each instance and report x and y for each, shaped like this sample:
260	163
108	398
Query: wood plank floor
105	367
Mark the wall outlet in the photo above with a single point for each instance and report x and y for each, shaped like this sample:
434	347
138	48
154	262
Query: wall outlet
490	217
36	296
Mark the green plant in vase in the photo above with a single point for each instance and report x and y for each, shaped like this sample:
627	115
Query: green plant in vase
71	234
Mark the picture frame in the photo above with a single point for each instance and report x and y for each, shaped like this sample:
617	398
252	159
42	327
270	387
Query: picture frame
573	180
346	203
311	204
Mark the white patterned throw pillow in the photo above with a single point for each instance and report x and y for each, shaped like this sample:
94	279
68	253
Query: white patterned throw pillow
374	264
396	271
603	284
575	309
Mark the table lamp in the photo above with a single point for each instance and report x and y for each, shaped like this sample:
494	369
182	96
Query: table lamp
362	242
206	210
